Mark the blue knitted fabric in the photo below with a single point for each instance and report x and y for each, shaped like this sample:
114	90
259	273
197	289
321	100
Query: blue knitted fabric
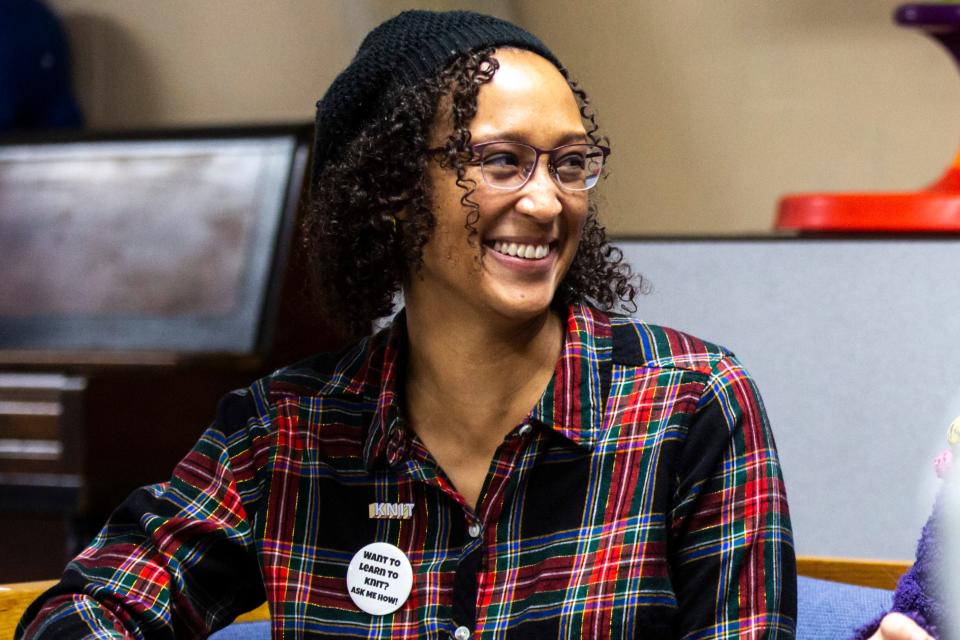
825	610
828	610
259	630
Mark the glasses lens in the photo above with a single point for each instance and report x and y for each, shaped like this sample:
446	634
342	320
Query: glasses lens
506	165
578	166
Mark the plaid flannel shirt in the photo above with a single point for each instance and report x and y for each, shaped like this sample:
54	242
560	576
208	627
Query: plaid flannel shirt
642	497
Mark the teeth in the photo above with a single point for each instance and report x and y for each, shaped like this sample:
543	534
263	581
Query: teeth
526	251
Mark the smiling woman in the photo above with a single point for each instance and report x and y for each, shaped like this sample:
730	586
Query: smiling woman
506	459
527	101
397	126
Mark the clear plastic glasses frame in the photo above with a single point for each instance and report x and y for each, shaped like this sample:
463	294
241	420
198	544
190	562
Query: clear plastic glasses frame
508	165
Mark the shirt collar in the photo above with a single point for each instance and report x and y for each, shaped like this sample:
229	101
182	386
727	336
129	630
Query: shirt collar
573	402
386	436
572	405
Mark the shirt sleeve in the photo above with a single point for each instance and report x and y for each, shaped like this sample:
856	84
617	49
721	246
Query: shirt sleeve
176	559
732	555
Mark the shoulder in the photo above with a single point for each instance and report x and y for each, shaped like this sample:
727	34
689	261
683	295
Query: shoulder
715	368
345	373
638	344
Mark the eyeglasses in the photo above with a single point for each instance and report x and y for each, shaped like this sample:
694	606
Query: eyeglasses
509	165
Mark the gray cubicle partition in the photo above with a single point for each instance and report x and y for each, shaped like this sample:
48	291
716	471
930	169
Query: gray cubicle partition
855	345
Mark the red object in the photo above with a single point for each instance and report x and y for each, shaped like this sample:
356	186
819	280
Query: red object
934	209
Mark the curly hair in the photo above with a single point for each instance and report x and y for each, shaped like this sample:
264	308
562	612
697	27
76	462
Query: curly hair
359	256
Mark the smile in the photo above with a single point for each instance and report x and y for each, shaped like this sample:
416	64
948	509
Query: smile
525	251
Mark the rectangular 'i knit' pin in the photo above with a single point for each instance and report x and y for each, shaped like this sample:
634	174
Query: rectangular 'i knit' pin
391	510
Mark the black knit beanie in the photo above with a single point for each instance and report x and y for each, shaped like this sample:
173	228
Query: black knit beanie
400	52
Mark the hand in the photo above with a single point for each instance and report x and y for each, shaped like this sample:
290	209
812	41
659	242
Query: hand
896	626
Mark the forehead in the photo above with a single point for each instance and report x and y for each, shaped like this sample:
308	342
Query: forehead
527	100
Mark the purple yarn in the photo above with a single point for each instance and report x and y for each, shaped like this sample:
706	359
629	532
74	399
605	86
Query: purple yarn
916	592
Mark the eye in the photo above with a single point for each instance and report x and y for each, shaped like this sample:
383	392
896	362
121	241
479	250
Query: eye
571	162
502	168
574	160
502	160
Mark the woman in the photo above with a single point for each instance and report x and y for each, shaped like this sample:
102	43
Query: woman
505	460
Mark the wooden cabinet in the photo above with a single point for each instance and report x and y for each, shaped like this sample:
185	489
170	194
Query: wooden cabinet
41	469
145	274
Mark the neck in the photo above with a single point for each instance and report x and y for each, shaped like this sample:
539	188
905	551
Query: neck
482	374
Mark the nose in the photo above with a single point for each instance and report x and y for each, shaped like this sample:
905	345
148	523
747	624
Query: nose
540	196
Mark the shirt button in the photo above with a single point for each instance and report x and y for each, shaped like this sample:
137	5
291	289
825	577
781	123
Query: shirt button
462	633
474	531
524	430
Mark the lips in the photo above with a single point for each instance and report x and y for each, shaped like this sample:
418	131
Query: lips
526	251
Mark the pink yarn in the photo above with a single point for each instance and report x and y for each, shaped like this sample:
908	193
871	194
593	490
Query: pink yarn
943	462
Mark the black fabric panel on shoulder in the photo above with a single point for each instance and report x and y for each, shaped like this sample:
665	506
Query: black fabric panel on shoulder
698	462
234	410
628	348
708	437
636	344
139	502
321	362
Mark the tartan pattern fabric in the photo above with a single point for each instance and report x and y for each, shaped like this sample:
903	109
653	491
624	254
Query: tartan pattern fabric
642	497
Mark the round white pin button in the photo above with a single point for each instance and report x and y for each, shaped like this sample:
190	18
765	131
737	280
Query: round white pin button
379	578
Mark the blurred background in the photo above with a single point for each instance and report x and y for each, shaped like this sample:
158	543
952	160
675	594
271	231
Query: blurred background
713	109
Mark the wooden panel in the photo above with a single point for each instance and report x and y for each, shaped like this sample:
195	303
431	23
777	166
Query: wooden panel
40	425
14	599
31	387
882	574
21	466
260	613
23	425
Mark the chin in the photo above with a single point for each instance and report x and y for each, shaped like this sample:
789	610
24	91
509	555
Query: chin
521	305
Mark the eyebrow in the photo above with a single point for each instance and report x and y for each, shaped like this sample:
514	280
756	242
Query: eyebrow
570	137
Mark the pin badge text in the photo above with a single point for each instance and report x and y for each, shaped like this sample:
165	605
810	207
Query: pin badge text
391	510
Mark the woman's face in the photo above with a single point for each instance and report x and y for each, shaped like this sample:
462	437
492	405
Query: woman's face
526	101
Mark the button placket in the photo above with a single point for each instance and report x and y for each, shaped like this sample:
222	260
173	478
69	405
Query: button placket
498	490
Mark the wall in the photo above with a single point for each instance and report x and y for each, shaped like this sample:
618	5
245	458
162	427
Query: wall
859	410
713	109
716	108
177	62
